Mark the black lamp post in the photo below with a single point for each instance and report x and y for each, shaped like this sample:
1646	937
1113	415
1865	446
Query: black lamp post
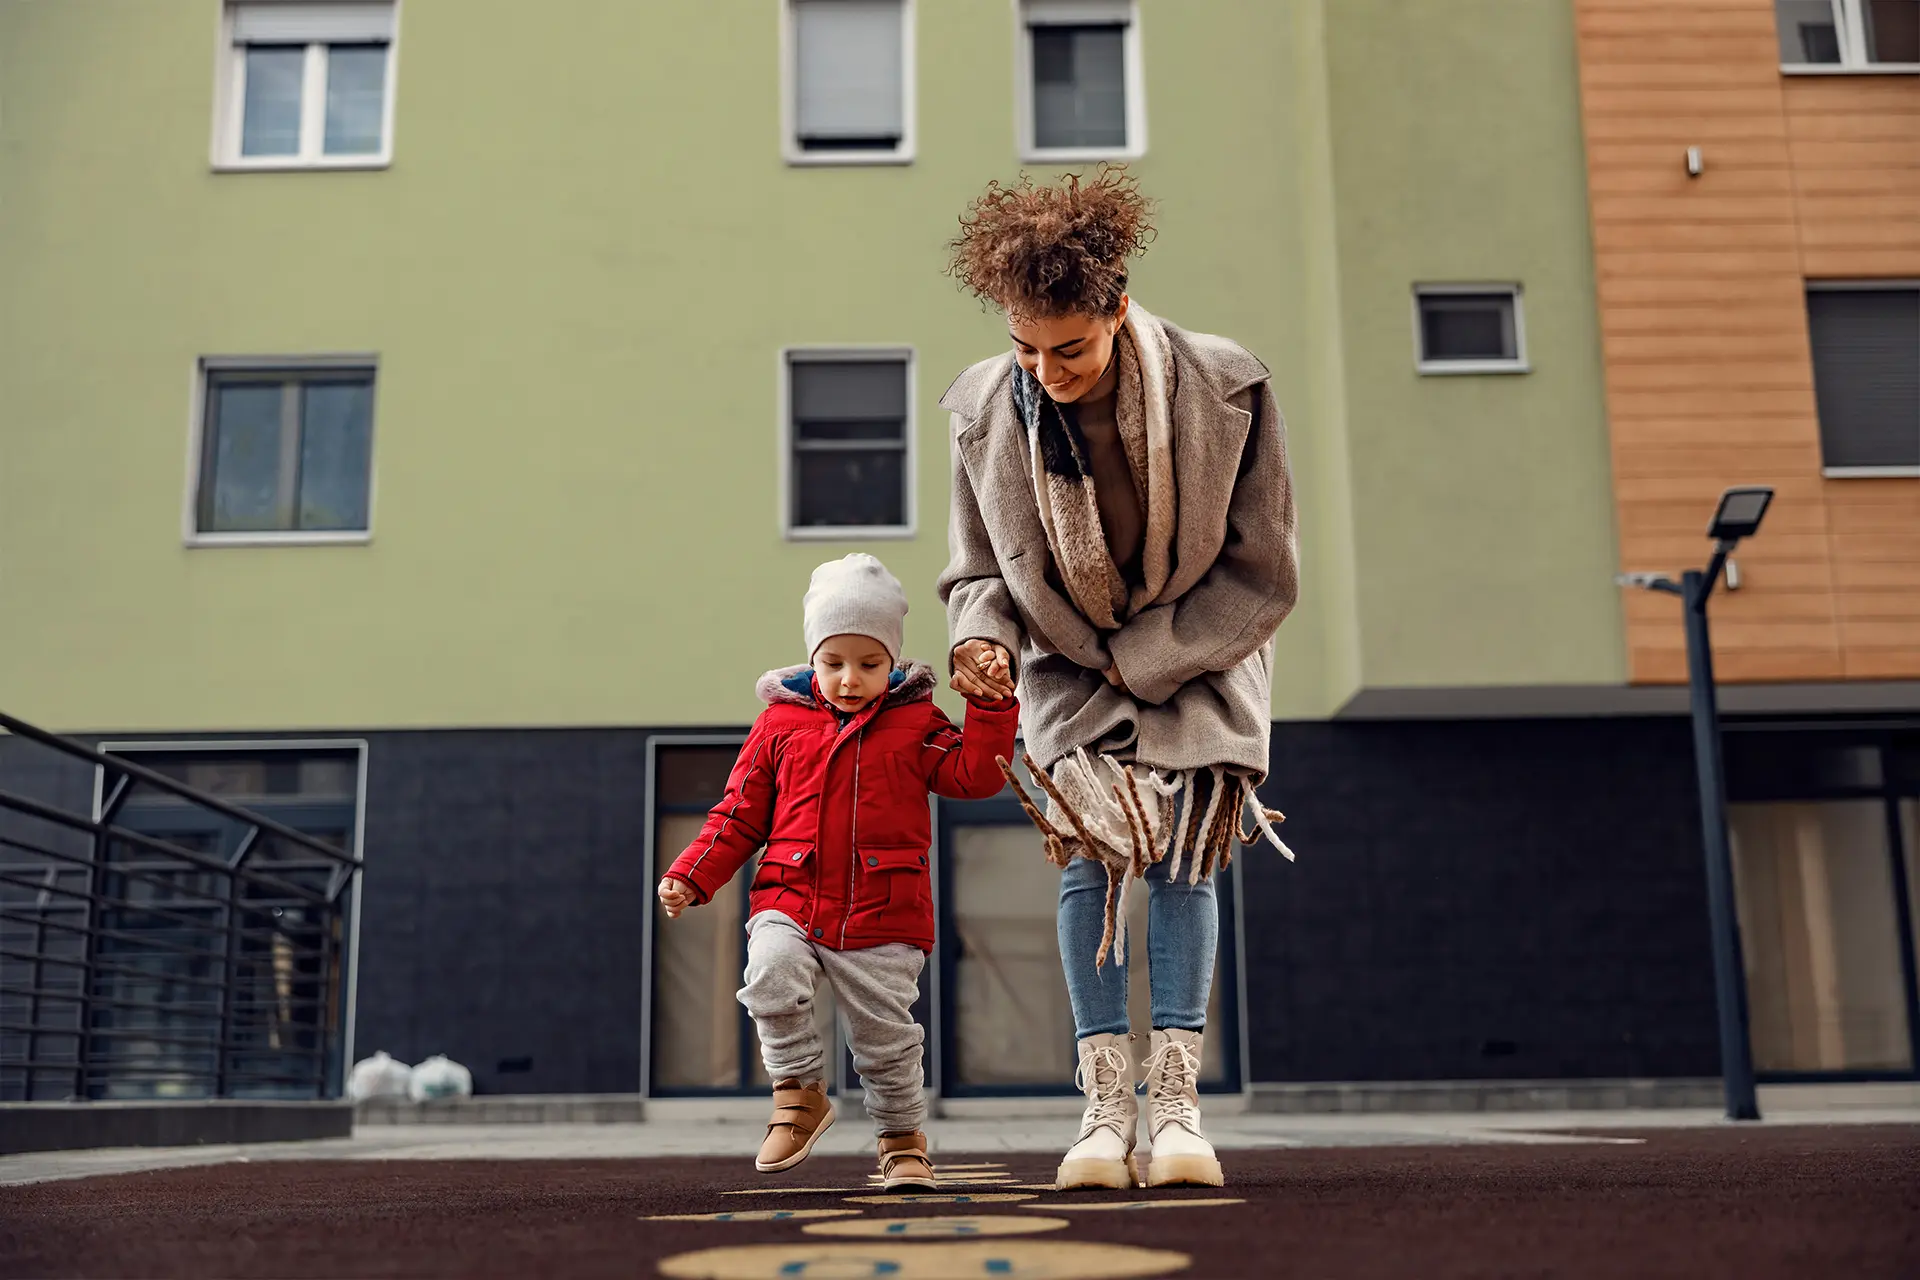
1738	516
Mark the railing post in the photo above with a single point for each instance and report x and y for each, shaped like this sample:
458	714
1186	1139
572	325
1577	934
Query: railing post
323	1024
39	980
89	974
231	963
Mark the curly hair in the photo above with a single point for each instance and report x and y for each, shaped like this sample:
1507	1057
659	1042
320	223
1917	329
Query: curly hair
1045	251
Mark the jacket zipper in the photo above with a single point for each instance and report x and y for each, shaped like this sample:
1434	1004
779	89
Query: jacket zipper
853	836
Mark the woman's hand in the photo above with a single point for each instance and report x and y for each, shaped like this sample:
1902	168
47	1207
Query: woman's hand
982	671
675	896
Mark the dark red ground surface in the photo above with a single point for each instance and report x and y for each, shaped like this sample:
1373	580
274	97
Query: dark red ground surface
1756	1204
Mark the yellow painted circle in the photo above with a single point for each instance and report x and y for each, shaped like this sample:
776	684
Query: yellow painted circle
974	1260
936	1197
945	1228
1121	1205
754	1215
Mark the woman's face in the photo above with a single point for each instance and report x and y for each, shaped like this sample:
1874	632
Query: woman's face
1068	354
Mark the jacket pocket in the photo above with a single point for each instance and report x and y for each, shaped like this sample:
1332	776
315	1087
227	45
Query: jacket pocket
894	880
786	864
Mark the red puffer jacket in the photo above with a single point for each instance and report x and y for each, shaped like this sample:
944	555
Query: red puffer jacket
842	808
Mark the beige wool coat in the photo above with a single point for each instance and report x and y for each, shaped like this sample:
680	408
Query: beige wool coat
1198	657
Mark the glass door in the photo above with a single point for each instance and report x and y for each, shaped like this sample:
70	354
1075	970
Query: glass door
1822	827
1006	1025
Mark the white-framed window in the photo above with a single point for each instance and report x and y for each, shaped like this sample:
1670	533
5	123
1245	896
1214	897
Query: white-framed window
1865	336
282	451
847	442
849	73
1081	93
305	86
1838	36
1469	328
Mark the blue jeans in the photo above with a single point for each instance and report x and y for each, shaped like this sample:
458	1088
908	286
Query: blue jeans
1183	931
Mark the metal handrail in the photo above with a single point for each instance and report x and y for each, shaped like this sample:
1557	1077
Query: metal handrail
153	778
210	972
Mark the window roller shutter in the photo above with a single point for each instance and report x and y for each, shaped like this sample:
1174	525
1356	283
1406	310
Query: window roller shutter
1866	375
312	23
853	391
847	62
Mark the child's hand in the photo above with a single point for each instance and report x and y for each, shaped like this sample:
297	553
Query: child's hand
982	671
675	896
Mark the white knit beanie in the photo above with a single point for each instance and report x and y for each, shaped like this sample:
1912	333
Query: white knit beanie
855	596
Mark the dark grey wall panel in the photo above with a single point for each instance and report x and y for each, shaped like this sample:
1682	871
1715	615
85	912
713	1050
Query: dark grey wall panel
504	897
1473	900
1505	900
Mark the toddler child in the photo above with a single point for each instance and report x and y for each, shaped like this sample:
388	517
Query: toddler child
833	782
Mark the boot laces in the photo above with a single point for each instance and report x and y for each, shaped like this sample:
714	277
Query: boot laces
1173	1074
1102	1076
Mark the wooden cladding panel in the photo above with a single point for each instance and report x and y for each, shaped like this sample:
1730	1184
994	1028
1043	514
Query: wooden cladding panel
1855	143
1701	285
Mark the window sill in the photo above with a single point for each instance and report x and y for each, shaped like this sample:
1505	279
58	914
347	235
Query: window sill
1079	155
285	164
1874	69
847	159
1462	368
849	533
267	538
1871	473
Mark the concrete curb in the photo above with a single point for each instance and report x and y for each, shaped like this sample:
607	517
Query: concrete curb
559	1108
76	1126
1420	1096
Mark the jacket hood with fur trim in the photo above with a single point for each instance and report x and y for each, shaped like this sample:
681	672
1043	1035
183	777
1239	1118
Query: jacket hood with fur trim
793	686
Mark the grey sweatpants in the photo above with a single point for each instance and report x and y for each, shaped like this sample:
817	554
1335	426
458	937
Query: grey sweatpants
875	988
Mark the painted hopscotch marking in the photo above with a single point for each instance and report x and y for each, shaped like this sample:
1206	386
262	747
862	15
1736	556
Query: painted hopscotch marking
754	1215
937	1227
988	1260
791	1191
930	1197
945	1165
1126	1205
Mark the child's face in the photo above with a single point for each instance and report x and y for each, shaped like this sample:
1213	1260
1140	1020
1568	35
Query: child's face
852	670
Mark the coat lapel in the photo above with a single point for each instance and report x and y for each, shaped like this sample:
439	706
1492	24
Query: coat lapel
1209	434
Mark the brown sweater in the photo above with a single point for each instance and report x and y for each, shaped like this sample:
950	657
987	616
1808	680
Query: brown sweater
1113	488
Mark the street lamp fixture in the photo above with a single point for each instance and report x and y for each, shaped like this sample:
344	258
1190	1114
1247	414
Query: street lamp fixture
1738	516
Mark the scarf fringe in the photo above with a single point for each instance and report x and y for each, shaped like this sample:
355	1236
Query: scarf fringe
1139	818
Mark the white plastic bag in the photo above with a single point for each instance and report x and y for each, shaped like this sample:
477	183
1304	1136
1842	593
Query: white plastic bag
378	1077
440	1077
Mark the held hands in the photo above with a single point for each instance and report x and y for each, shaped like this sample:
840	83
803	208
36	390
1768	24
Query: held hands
675	896
982	671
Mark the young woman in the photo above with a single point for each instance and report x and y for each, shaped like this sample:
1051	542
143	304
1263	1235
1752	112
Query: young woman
1123	545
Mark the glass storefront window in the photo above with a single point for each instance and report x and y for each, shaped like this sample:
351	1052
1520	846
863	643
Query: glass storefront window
1014	1025
1820	931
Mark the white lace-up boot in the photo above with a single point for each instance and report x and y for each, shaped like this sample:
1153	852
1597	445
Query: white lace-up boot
1103	1156
1182	1156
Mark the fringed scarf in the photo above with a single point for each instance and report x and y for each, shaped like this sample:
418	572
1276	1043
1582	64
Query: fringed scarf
1128	817
1118	813
1063	476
